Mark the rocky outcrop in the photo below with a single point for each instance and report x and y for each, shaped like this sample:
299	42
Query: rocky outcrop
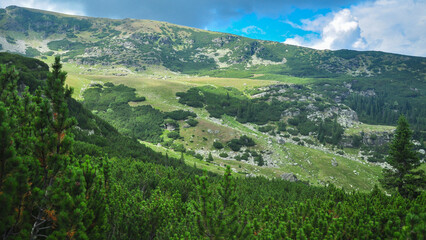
289	177
346	117
368	138
376	138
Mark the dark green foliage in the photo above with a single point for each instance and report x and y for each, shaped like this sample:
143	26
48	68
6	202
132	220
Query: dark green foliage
246	141
46	179
173	135
198	156
236	144
192	122
259	160
223	155
356	141
178	147
293	131
210	158
405	177
31	71
231	102
191	98
179	115
394	94
281	126
220	218
32	52
330	132
217	145
266	128
112	104
65	45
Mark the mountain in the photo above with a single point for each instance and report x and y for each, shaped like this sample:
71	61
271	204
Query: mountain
134	43
312	113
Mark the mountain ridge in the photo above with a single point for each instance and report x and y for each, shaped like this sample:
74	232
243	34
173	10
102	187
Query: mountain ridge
173	45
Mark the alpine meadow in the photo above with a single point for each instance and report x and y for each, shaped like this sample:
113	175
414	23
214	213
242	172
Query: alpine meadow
142	129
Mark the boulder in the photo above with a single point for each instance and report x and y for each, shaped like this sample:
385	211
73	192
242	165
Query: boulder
289	177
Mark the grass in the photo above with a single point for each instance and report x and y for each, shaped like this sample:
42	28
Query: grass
285	79
238	83
208	130
190	160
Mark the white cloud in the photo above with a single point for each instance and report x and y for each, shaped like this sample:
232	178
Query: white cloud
394	25
252	30
48	5
397	26
337	30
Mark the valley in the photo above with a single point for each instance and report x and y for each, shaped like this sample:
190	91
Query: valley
311	163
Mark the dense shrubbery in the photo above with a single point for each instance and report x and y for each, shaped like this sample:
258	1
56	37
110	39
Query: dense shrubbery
111	103
217	145
236	144
192	122
179	115
230	102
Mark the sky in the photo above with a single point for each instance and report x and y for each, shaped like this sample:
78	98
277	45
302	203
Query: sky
397	26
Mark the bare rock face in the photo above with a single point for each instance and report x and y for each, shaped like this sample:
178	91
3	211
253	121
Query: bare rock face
280	140
170	127
377	138
289	177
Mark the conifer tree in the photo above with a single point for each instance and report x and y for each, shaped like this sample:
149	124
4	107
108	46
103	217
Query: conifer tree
13	175
404	160
210	158
13	168
220	218
56	206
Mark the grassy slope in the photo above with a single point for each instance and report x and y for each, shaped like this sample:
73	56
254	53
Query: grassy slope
308	164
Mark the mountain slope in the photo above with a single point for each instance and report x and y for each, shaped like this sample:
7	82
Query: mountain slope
134	43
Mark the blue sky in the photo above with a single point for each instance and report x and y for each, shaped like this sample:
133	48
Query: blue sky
275	29
397	26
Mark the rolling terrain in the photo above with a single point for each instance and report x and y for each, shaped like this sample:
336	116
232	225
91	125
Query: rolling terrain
160	64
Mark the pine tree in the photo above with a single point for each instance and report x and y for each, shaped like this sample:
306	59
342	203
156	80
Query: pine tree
58	194
210	158
13	176
44	191
13	168
404	160
220	218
